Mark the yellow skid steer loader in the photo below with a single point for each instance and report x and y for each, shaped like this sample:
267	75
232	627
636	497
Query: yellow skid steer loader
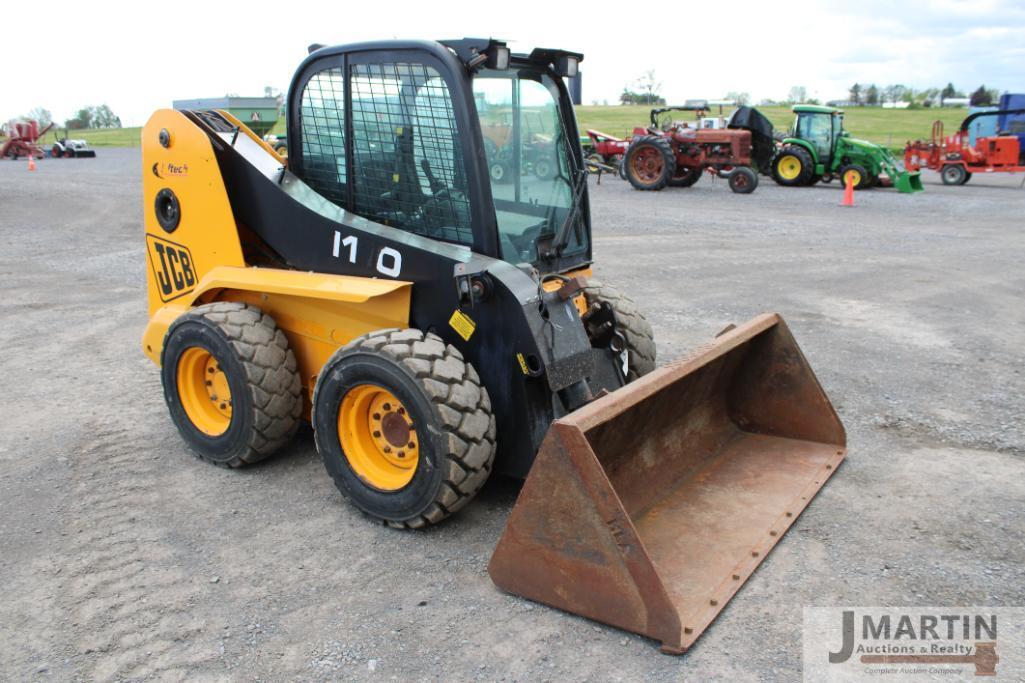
436	323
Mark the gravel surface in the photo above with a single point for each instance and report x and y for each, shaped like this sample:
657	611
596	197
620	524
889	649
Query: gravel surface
123	557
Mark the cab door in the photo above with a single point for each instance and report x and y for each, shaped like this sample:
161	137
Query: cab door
817	129
389	135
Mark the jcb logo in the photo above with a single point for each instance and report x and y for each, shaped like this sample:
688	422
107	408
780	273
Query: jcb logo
172	266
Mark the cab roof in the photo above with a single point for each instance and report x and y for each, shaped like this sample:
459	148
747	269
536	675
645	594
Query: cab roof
815	109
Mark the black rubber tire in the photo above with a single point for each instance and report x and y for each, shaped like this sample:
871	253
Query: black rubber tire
743	180
501	172
668	162
56	152
685	176
640	339
953	174
807	166
866	182
544	169
967	177
827	178
281	148
450	409
266	393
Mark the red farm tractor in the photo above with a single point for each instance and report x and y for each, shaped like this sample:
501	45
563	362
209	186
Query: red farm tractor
675	153
23	140
956	159
605	152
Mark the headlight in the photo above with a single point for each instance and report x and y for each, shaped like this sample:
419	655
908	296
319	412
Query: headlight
567	66
498	57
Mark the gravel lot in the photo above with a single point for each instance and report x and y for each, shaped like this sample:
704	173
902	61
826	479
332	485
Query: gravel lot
123	557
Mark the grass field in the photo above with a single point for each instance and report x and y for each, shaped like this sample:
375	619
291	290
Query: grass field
891	127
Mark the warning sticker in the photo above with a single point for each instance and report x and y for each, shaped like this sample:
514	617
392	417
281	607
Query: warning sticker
523	363
462	324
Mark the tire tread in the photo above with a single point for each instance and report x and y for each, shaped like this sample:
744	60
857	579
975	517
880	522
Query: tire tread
640	339
271	374
461	404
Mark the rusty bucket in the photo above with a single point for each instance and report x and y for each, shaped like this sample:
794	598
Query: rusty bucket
648	508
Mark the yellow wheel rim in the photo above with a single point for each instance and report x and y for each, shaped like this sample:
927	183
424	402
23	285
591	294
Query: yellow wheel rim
204	392
789	167
378	437
852	177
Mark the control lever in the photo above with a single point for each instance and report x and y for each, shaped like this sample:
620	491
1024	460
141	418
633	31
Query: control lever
432	180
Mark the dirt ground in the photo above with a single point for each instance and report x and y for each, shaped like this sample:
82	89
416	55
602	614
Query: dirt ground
123	557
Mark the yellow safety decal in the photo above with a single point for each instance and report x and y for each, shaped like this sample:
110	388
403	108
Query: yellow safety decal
462	324
523	363
395	177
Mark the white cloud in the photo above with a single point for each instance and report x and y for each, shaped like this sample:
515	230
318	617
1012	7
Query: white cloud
137	56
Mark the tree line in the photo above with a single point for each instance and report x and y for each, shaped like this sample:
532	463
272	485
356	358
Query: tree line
647	90
93	116
870	95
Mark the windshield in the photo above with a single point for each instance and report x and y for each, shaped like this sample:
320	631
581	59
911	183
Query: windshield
527	148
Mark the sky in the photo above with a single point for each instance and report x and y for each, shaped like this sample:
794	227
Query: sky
139	56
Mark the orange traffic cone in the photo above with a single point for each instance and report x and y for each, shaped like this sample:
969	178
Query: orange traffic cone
31	163
848	192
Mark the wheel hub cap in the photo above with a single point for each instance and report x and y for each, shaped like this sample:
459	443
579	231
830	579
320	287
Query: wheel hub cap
378	437
789	167
204	391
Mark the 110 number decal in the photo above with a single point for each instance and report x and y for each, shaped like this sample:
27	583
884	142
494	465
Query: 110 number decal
389	261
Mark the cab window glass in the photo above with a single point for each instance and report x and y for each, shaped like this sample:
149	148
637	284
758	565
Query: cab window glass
407	167
322	120
528	160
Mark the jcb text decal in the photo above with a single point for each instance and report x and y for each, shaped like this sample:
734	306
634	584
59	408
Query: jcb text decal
173	267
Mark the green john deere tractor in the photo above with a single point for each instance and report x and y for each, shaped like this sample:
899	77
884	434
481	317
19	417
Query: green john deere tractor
820	149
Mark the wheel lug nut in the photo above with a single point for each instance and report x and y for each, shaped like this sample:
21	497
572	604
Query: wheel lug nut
223	406
387	449
377	435
209	383
213	397
402	411
387	406
411	445
401	454
377	416
210	370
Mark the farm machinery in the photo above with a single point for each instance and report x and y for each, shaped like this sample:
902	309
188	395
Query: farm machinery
819	149
69	148
674	153
436	324
23	140
524	144
956	159
605	152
